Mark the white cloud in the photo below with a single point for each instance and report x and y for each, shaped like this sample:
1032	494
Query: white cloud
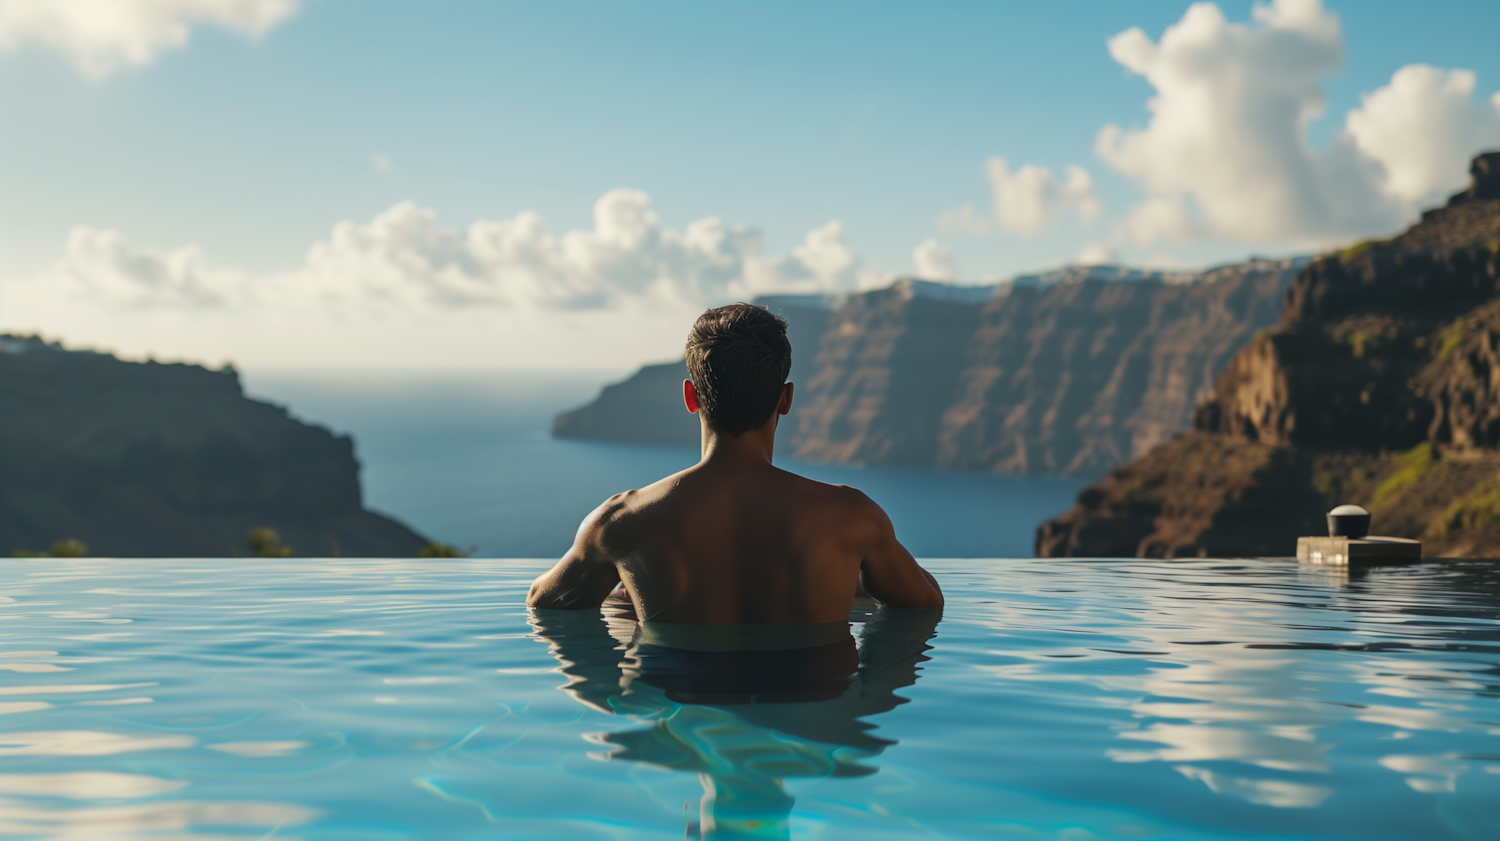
1031	198
1025	201
102	36
1096	254
1161	218
1423	129
106	270
1225	153
381	163
405	258
824	262
963	220
933	261
402	277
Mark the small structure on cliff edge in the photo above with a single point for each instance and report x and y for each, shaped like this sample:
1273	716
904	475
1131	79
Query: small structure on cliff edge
1349	542
1381	382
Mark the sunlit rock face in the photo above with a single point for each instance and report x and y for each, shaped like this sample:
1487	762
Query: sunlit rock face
1380	385
147	459
1065	373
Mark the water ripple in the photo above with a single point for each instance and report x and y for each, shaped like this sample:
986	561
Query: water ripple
336	700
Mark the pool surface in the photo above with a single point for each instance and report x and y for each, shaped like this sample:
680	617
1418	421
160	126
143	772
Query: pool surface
1071	700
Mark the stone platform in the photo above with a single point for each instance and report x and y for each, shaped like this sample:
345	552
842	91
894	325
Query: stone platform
1344	551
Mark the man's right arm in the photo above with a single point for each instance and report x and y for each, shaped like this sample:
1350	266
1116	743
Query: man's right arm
585	575
888	572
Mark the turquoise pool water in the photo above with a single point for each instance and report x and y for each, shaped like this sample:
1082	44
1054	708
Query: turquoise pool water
1073	700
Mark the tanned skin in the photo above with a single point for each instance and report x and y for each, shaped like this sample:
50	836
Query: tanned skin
736	540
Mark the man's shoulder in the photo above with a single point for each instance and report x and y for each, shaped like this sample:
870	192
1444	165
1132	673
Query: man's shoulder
621	511
848	501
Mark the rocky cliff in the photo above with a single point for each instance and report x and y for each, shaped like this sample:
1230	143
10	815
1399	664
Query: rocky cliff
1380	386
144	459
1069	372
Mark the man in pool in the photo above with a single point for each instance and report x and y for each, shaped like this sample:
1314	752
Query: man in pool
734	539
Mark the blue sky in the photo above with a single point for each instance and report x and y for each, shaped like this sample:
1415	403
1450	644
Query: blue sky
777	116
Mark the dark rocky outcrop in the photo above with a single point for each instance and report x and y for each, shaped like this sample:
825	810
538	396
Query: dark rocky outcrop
1070	372
146	459
1380	385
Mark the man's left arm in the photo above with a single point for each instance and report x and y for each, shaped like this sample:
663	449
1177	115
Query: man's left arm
584	576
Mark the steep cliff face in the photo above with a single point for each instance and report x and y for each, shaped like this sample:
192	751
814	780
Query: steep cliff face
168	460
1076	378
1379	386
884	373
1066	373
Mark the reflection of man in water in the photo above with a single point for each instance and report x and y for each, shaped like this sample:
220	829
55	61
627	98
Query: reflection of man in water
734	539
744	720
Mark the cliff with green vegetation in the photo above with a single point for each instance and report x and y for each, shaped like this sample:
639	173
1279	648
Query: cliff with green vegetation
1379	386
144	459
1066	373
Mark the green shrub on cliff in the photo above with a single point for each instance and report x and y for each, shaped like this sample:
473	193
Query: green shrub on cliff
1335	480
1355	250
1453	337
1410	467
69	548
443	550
1471	513
1361	341
266	543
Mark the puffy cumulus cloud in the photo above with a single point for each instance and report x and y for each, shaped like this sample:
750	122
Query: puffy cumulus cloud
628	256
1096	254
1225	152
963	220
404	258
102	36
1025	201
1228	120
1031	198
823	262
103	268
405	274
933	261
1422	128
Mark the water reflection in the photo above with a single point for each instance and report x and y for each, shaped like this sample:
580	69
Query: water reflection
1225	712
123	821
744	720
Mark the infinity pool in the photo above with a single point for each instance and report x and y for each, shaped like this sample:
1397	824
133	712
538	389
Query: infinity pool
1073	700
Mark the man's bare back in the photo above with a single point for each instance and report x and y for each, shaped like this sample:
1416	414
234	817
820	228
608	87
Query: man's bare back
736	540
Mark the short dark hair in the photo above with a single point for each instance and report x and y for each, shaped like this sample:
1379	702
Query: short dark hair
738	358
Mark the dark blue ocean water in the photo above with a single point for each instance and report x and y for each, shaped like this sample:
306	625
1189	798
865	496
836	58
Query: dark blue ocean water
466	458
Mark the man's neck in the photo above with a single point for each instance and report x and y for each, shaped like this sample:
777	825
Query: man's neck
755	447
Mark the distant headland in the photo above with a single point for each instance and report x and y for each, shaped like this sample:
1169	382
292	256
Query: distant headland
145	459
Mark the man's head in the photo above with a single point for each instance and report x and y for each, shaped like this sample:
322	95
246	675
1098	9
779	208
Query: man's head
738	358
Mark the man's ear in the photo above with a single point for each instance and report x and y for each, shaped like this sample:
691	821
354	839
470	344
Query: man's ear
690	396
784	405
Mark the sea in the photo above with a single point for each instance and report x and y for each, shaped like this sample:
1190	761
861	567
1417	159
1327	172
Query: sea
467	458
